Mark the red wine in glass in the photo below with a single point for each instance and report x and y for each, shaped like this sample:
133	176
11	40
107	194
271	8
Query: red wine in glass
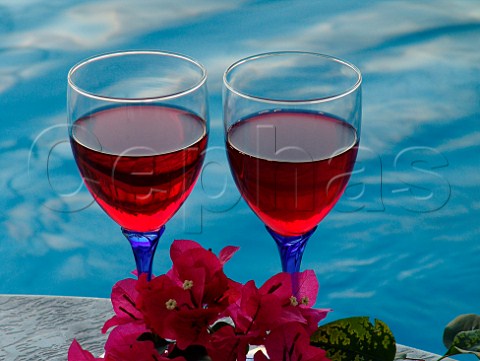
138	125
291	167
139	162
292	128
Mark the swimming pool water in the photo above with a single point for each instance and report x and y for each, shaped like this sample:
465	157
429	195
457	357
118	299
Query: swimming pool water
402	244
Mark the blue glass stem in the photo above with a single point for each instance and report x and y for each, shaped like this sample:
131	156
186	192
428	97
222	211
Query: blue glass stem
291	250
144	245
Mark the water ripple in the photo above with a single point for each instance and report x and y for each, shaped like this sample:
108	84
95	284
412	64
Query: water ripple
425	35
6	20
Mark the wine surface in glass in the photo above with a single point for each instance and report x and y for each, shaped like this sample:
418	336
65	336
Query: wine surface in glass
140	162
291	167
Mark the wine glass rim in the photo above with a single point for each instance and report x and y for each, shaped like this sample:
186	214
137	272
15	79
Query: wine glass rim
322	99
172	95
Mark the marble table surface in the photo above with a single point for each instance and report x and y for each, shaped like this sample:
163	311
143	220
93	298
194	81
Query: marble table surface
41	328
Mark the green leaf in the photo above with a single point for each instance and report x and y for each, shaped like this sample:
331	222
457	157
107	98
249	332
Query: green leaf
356	339
460	323
465	342
462	336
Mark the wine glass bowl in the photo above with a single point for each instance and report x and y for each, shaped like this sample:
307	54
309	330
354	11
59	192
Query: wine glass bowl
292	125
138	127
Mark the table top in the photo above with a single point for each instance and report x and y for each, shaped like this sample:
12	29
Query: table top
42	328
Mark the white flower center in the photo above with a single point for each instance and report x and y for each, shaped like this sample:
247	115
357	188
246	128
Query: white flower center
187	284
171	304
293	301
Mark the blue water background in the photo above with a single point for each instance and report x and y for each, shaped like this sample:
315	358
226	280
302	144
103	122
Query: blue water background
403	243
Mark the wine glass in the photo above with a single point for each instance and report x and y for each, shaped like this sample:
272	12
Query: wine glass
292	124
138	126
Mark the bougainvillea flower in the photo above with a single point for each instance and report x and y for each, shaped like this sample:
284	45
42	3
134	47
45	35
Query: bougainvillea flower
226	345
159	300
183	304
273	304
297	294
192	327
260	310
253	316
231	342
123	345
169	311
124	298
203	270
306	294
276	295
77	353
291	342
244	311
196	308
306	287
